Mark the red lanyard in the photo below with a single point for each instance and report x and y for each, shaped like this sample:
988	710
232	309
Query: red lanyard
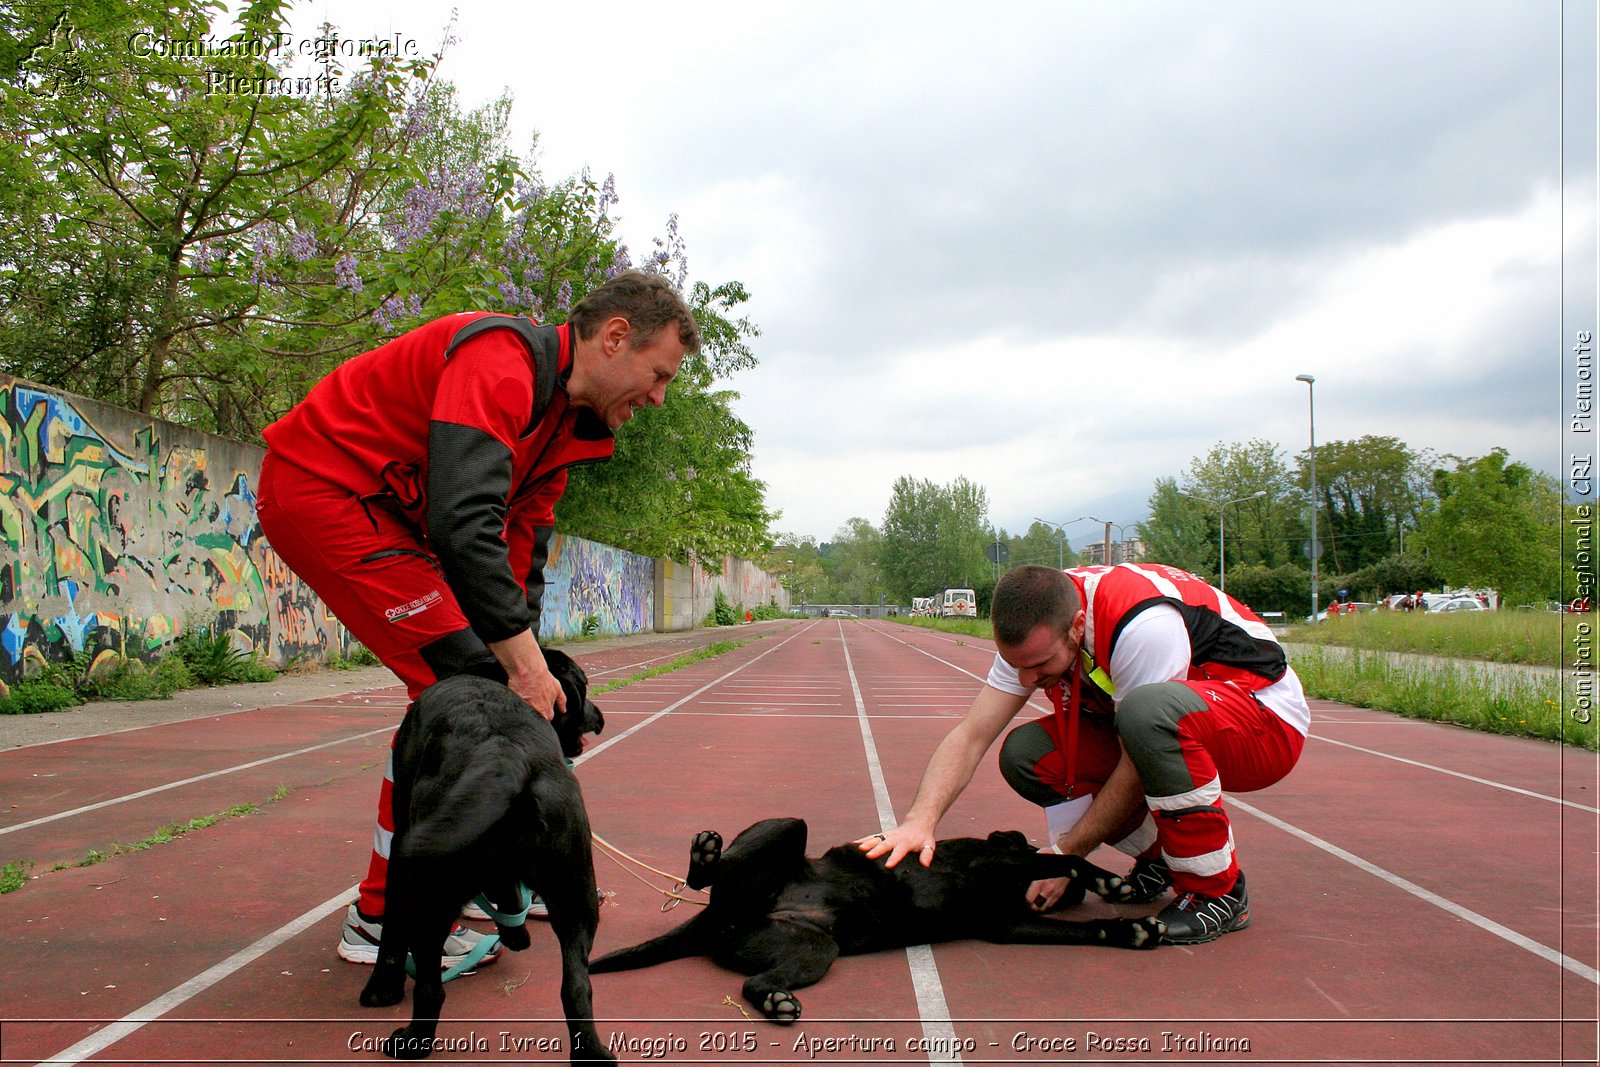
1067	720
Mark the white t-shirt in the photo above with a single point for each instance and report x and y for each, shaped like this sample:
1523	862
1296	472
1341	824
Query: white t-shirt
1154	647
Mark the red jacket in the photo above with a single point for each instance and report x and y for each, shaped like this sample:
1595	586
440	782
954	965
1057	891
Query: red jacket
464	426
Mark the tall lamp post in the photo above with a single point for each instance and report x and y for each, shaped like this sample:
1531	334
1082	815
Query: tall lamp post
1316	548
1222	526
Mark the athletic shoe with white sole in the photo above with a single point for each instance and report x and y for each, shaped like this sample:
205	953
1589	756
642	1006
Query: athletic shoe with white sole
359	943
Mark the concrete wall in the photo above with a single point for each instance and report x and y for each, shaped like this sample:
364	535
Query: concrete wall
119	531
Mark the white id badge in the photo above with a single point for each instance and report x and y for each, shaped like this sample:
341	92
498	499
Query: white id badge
1059	818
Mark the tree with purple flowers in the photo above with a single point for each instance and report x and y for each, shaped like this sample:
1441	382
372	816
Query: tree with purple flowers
205	238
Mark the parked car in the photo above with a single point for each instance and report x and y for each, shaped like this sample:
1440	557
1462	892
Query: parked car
1459	603
838	613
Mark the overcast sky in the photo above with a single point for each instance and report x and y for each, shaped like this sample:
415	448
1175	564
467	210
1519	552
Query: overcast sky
1063	248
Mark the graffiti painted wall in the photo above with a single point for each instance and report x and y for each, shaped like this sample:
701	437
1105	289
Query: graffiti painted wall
119	531
592	588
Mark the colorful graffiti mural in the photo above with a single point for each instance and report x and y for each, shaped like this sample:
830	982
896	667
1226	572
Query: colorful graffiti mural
117	531
585	580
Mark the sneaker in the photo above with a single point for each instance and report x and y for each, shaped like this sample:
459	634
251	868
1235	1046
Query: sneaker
359	944
1194	918
540	910
1149	879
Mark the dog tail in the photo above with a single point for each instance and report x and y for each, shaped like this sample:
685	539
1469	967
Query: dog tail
466	801
676	944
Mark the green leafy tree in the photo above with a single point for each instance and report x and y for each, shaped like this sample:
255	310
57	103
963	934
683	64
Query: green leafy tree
153	165
1179	531
1369	492
177	244
1044	545
1495	525
933	537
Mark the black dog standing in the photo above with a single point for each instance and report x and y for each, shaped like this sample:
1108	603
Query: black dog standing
485	803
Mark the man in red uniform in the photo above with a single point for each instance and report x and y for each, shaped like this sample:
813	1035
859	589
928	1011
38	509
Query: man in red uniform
414	490
1166	692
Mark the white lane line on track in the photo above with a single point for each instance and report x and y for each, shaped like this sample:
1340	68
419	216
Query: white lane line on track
1543	951
1459	774
1582	970
176	997
934	1011
135	1020
190	781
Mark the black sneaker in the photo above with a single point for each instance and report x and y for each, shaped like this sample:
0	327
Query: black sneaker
1194	918
1148	879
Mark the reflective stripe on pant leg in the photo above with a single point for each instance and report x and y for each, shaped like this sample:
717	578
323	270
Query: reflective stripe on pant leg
370	897
1181	785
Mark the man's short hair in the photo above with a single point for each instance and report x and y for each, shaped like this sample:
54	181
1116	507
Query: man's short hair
1029	596
648	301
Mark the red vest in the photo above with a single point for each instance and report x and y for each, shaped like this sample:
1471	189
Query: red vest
1229	641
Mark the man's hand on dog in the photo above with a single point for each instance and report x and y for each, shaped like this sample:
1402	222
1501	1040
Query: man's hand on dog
898	843
541	691
1043	895
526	674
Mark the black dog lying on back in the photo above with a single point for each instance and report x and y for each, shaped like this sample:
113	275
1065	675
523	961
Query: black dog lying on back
483	803
783	919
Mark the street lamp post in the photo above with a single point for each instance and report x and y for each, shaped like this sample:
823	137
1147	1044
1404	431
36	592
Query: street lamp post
1311	407
1222	526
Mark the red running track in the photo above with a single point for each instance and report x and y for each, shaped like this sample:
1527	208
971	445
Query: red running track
1421	893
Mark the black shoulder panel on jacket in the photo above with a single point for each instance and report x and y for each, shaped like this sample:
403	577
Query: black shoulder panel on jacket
469	479
543	344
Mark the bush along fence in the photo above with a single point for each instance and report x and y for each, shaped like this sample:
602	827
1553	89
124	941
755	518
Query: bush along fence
121	533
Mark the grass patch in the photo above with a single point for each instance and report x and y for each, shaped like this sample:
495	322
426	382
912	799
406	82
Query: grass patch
964	627
699	654
168	834
14	875
1534	638
1503	703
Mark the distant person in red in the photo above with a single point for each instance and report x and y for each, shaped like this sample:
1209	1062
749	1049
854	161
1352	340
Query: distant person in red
414	490
1167	692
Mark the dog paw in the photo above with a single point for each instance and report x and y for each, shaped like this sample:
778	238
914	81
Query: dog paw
780	1007
1140	934
381	992
514	938
403	1045
703	856
1112	889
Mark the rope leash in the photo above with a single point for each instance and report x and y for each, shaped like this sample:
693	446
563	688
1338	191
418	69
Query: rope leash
673	896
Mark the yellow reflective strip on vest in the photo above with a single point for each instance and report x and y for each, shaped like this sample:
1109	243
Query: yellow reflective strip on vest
1097	675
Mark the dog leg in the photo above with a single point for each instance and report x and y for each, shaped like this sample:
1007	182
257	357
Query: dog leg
426	935
793	957
703	856
566	882
388	982
1142	933
753	870
1084	875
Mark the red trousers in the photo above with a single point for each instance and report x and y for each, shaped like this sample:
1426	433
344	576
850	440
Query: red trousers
380	578
1189	742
